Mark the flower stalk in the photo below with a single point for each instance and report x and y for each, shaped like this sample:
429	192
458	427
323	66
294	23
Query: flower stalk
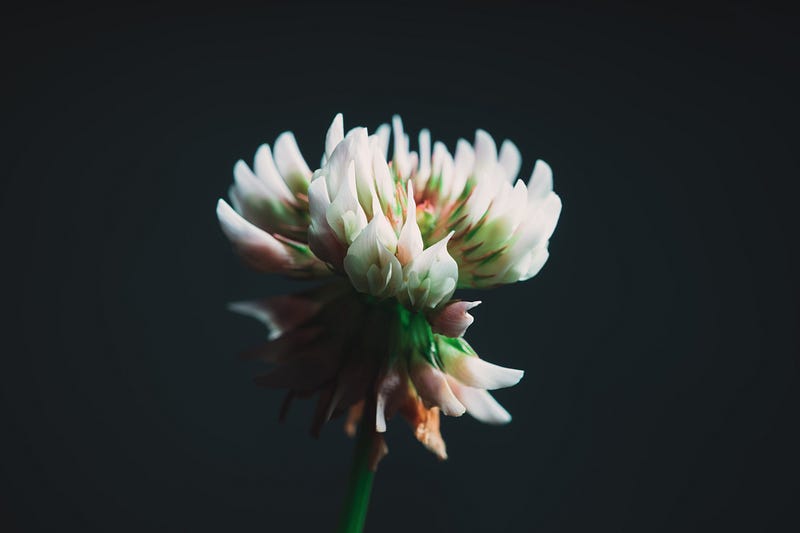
359	486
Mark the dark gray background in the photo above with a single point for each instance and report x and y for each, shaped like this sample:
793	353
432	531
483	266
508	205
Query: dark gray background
660	340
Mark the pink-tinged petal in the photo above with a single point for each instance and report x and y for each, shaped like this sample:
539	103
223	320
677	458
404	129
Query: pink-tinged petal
452	320
290	162
432	387
258	249
479	403
510	160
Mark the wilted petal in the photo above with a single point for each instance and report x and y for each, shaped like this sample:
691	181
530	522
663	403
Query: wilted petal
452	320
426	426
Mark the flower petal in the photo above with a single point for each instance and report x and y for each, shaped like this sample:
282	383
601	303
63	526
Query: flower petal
335	135
290	163
258	249
541	181
432	387
409	244
510	160
452	320
459	360
479	403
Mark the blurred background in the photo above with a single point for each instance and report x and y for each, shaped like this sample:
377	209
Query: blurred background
660	341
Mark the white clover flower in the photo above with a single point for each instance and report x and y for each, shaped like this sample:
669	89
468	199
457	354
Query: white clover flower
399	237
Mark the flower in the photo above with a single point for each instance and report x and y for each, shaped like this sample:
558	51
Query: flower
398	238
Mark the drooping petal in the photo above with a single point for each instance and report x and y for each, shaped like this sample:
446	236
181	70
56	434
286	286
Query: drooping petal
460	362
432	387
479	403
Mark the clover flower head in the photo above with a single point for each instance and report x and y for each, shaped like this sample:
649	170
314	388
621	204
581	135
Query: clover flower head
397	237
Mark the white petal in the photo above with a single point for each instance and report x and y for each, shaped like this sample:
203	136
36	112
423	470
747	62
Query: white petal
479	404
510	160
409	244
431	276
345	214
485	155
248	185
335	134
541	181
424	171
268	173
464	165
321	238
473	371
382	132
258	248
400	154
371	267
290	162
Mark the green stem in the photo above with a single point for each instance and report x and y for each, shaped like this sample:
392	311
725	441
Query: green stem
359	485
